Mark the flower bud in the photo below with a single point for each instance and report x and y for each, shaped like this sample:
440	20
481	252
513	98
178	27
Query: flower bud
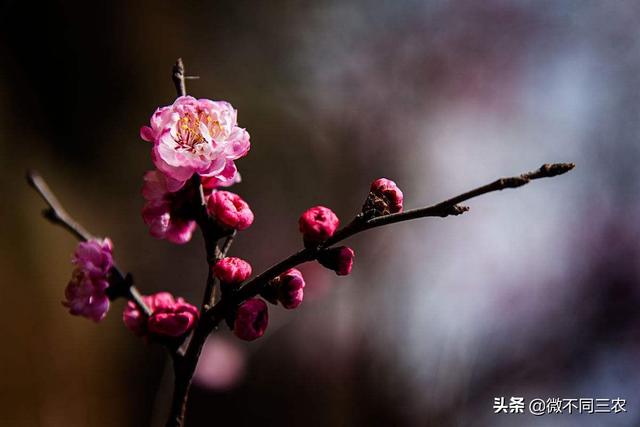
251	319
169	317
232	270
384	198
289	288
229	210
338	259
318	224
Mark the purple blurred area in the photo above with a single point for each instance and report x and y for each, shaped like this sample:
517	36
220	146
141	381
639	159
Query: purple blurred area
533	293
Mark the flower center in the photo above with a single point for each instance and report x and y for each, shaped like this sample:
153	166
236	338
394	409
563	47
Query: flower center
190	130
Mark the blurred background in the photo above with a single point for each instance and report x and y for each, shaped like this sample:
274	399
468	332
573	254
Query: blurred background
533	293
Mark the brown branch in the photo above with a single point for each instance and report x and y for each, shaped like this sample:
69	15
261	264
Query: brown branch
177	75
442	209
121	285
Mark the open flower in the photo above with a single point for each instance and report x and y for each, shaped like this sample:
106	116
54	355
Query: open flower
169	316
195	136
166	213
85	293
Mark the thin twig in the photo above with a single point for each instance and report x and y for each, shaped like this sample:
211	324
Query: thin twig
227	244
177	76
121	285
55	212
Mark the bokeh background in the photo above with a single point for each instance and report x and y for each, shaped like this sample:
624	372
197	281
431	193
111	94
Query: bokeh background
534	293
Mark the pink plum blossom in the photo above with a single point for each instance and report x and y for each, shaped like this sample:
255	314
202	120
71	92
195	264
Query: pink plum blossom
251	319
166	213
232	270
318	224
85	293
196	136
229	210
170	317
338	259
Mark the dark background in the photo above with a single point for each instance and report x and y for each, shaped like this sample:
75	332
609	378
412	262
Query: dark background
533	293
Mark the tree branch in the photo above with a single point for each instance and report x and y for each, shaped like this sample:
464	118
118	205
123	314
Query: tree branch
178	78
121	285
443	209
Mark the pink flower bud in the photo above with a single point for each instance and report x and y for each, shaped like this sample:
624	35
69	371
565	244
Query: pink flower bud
85	293
384	198
290	288
338	259
170	317
229	210
318	224
232	270
251	319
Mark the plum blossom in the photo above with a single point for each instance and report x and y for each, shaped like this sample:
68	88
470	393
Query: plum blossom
166	213
85	293
229	210
169	316
196	136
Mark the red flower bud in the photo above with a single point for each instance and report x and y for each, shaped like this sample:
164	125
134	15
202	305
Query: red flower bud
232	270
229	210
338	259
384	198
290	288
318	224
251	319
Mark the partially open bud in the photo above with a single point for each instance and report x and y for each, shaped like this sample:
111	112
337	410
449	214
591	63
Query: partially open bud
338	259
252	318
288	288
170	317
229	210
85	294
318	224
384	198
232	270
